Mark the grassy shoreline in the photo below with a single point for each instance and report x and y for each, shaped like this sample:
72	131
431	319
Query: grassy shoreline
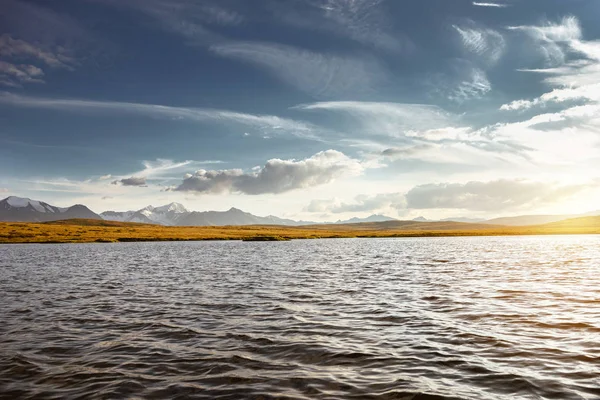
90	231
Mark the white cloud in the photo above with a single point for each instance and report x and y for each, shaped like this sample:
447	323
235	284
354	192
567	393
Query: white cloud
265	123
494	5
276	176
485	43
574	86
362	203
389	119
395	131
491	196
518	105
549	39
463	81
318	74
363	21
475	85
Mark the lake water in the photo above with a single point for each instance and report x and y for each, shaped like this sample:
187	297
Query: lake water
423	318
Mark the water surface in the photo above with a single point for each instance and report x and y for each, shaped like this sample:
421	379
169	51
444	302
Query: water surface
423	318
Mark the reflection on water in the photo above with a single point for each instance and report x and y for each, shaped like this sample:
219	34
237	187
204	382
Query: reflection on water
436	318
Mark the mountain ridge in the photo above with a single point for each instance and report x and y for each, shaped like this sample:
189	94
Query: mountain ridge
23	209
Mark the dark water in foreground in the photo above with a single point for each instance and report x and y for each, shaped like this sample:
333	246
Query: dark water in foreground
436	318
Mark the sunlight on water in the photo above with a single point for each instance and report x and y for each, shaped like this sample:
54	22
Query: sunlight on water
437	318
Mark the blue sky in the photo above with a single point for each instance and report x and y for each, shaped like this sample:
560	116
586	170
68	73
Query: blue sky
312	109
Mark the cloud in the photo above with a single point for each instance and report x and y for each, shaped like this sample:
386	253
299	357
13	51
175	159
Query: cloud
549	39
318	74
270	124
191	19
473	196
139	181
495	5
396	131
20	49
4	190
39	33
474	85
574	87
277	176
490	196
362	203
389	119
362	21
409	151
487	44
463	81
14	75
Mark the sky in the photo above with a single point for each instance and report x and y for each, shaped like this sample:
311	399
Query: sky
308	109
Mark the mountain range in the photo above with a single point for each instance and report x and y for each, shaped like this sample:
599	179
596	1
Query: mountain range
26	210
174	214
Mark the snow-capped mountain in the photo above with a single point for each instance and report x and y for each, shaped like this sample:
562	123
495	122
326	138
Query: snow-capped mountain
23	209
164	215
372	218
175	214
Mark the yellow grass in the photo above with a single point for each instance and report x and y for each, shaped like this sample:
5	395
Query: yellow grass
81	231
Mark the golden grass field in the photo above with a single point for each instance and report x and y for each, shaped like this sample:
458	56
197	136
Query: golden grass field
86	231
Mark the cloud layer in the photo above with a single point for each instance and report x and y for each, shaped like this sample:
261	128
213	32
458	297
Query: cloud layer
276	176
132	181
318	74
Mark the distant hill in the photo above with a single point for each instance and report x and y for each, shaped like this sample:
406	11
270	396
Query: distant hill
175	214
455	219
372	218
581	222
168	215
20	209
526	220
464	219
404	225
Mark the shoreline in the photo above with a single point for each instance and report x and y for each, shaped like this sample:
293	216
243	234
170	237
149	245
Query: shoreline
92	231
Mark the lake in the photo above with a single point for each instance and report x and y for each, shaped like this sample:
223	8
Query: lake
415	318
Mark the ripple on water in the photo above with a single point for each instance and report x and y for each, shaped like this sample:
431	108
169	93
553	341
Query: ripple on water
418	319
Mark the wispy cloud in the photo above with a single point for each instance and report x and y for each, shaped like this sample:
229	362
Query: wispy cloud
362	203
462	81
474	196
265	123
318	74
192	20
495	5
574	82
14	75
487	44
393	131
388	119
36	40
362	21
490	196
550	38
20	49
57	36
276	176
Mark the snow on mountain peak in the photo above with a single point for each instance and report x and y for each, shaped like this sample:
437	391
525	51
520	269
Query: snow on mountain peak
174	207
21	202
